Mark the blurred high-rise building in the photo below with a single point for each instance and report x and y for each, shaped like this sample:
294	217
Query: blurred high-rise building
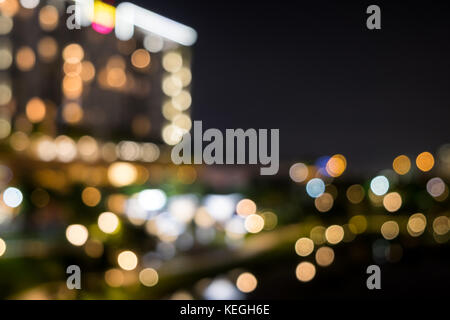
91	70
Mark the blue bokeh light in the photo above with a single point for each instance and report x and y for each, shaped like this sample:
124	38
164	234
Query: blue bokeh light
315	187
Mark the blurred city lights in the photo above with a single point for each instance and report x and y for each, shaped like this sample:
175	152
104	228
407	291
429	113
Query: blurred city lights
392	201
2	247
441	225
5	55
168	228
29	4
91	196
152	199
379	185
77	234
358	223
203	218
114	278
221	289
172	134
401	164
48	18
436	187
270	220
172	62
72	113
127	260
390	230
246	207
73	53
246	282
182	101
220	207
298	172
66	156
321	164
47	49
108	222
334	234
40	198
425	161
304	247
129	15
153	43
66	149
183	208
5	93
140	59
104	17
35	110
87	71
317	235
416	224
6	24
254	223
336	165
324	202
355	194
94	248
315	187
12	197
324	256
185	75
122	174
172	86
305	271
25	59
148	277
235	227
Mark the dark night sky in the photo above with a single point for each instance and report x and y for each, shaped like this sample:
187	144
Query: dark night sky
313	70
